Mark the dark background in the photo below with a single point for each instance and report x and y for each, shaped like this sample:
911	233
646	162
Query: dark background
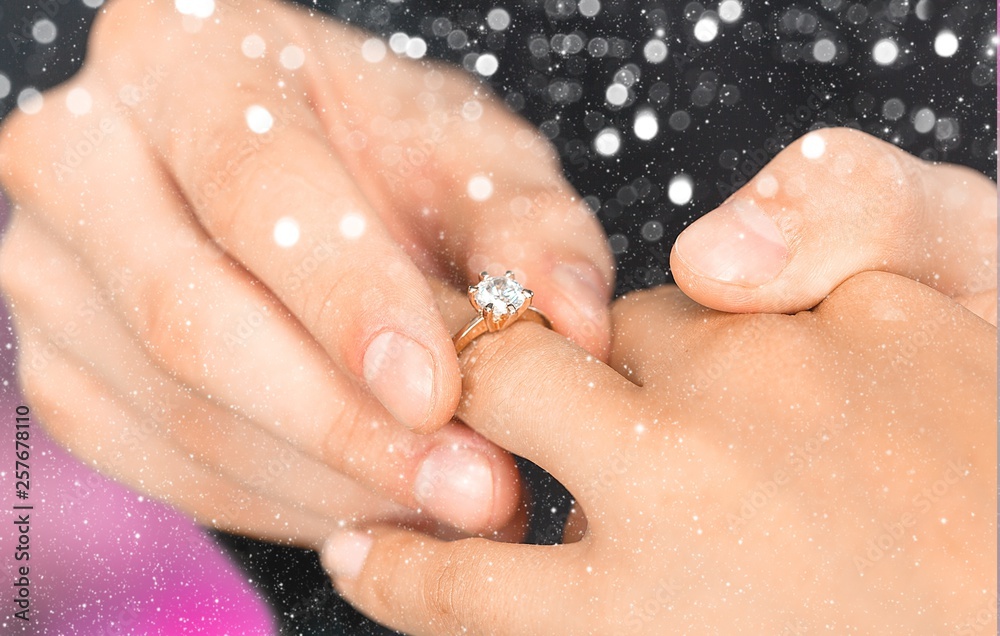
718	103
736	92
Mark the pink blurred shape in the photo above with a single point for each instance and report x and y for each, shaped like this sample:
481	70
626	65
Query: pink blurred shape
103	559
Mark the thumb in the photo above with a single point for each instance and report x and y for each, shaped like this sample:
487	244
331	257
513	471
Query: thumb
835	203
421	585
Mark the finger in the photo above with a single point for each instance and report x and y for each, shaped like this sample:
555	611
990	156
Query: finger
420	585
700	352
834	203
223	443
911	325
537	394
666	316
895	326
260	177
483	190
216	437
203	318
94	424
377	323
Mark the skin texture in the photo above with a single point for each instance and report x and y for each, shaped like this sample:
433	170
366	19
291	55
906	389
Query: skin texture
181	349
843	202
832	470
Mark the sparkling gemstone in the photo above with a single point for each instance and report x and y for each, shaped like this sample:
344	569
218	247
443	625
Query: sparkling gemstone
500	292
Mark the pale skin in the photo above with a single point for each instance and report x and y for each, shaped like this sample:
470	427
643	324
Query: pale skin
180	349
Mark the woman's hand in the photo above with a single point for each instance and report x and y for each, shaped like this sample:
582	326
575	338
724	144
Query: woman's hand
215	266
838	202
762	474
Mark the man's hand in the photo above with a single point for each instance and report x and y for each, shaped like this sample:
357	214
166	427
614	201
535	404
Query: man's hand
218	258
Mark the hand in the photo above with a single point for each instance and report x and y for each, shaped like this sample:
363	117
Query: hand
215	266
828	471
838	202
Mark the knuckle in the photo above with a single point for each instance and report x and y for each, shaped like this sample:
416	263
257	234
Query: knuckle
344	302
219	168
453	583
348	436
164	326
513	133
754	347
123	25
865	285
886	167
877	186
458	85
328	303
234	177
634	302
15	139
841	138
40	148
112	25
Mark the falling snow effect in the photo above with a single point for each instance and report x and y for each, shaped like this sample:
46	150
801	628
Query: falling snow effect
658	113
286	232
259	119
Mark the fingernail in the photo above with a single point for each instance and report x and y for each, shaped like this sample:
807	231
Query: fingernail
584	286
736	243
455	484
344	554
400	372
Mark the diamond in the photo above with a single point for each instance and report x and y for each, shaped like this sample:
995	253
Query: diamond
502	292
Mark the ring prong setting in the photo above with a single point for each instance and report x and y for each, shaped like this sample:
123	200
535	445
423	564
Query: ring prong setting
500	301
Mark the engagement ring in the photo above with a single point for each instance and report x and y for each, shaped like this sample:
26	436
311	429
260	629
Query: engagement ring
500	301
